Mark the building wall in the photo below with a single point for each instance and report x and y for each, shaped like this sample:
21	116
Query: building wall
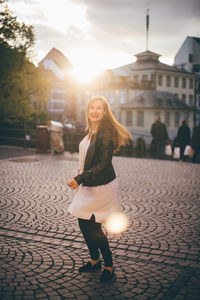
186	93
185	88
188	55
144	129
58	103
51	65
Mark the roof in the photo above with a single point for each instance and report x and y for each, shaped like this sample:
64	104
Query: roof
58	58
120	72
195	38
149	60
157	99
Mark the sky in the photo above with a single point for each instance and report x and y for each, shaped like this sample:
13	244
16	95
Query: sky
104	34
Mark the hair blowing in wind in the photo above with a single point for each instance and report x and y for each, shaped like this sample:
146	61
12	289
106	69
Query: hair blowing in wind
109	125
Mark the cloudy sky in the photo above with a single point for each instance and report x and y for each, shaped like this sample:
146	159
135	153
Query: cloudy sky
101	34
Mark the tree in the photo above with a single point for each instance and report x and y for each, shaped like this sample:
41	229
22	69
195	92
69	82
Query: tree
21	84
12	33
24	90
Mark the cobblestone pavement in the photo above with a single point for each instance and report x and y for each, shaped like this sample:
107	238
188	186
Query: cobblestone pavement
41	247
13	151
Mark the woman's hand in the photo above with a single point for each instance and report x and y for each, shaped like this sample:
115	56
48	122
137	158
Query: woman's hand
73	184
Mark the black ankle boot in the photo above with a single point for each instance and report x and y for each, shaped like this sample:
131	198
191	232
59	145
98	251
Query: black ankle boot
107	275
89	267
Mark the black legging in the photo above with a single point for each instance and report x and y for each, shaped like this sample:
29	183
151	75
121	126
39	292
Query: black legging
95	240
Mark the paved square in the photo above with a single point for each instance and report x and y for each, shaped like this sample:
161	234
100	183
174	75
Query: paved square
41	248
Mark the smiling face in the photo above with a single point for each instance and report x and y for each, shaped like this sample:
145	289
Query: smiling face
96	112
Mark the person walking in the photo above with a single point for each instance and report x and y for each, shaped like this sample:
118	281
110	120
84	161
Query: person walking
160	137
97	195
195	142
183	137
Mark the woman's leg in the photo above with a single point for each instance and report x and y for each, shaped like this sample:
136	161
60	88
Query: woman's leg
103	245
87	229
96	239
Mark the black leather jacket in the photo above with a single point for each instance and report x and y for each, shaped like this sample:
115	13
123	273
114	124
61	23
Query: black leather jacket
98	168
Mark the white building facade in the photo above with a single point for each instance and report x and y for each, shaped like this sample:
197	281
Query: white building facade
122	87
188	59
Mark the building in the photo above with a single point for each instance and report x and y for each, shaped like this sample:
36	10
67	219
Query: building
139	113
60	102
166	90
188	56
188	59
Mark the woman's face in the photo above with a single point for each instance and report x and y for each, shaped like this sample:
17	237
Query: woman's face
96	112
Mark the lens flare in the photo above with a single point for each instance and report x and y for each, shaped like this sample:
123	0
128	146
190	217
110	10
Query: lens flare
116	223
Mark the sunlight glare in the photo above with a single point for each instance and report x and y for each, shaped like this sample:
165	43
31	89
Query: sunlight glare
83	75
116	223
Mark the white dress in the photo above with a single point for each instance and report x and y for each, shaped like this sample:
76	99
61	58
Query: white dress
99	200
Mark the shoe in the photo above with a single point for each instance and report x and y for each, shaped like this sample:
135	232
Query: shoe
89	267
107	275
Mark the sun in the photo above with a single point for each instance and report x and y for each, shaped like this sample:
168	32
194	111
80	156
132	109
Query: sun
88	63
83	75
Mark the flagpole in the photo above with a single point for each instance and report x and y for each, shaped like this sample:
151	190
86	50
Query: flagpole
147	30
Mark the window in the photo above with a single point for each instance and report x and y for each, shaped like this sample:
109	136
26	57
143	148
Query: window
79	99
183	83
144	77
59	96
135	78
58	85
129	118
176	82
160	80
122	97
57	105
190	58
176	119
168	81
191	83
184	98
186	116
196	68
167	118
191	100
176	95
140	118
112	98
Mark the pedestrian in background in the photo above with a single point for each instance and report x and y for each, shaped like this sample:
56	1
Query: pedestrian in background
97	195
183	137
195	142
160	137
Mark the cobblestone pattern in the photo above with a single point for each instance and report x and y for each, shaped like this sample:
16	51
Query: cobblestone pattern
41	248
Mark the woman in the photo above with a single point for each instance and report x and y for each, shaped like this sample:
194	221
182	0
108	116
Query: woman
97	196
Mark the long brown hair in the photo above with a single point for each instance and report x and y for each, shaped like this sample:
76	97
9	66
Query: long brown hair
119	134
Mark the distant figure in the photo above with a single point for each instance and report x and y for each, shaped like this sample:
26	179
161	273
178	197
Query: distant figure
160	137
195	142
183	137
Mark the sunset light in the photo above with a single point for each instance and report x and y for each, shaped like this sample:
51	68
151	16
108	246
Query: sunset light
87	64
83	75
